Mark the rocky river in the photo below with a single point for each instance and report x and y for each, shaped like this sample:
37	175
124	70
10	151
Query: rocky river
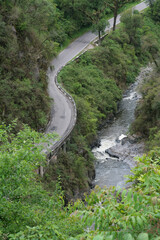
115	156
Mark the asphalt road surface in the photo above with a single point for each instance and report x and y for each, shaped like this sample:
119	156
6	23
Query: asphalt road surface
62	110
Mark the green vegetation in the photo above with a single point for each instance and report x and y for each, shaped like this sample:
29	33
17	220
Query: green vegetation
148	111
24	204
147	121
91	13
25	50
115	6
27	211
31	33
128	214
96	79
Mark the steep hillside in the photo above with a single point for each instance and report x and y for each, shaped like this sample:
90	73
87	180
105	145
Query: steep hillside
31	33
96	81
27	211
25	51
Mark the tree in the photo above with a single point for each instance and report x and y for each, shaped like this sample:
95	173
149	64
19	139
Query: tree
148	111
150	44
126	214
151	4
20	156
115	5
155	11
132	24
95	12
26	47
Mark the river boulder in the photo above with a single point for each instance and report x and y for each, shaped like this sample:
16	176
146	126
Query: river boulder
111	153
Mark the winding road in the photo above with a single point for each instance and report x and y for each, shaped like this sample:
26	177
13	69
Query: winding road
63	109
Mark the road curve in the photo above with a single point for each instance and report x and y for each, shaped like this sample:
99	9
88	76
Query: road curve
63	110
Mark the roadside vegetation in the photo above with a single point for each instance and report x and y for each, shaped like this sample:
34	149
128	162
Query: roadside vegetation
31	34
27	211
96	81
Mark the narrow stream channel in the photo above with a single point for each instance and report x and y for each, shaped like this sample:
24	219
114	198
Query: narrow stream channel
111	170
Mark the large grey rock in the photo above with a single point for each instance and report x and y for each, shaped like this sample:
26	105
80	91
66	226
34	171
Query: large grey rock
124	140
112	153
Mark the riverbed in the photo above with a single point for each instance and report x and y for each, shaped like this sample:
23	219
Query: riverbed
115	156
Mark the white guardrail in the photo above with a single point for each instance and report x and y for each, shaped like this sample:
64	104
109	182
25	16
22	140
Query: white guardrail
72	124
58	144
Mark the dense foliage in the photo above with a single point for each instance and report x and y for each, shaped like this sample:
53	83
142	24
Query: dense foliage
128	214
31	33
24	204
96	80
148	111
78	14
27	211
25	48
147	121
